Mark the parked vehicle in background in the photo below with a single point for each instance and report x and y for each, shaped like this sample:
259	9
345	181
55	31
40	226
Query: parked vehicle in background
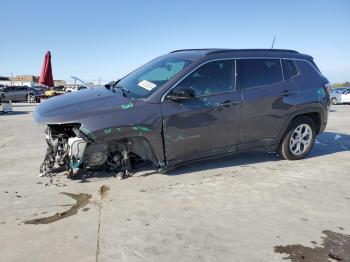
21	93
74	88
340	96
51	92
189	105
337	90
5	106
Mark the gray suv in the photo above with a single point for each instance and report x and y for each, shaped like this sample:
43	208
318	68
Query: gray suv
189	105
20	93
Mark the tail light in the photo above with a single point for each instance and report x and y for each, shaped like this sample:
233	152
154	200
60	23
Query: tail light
327	87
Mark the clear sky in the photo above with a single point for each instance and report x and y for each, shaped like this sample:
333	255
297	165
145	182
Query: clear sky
107	39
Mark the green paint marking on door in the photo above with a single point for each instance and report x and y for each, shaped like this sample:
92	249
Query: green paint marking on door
141	128
107	131
127	106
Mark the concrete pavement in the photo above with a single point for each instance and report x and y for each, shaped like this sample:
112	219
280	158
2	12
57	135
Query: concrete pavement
237	208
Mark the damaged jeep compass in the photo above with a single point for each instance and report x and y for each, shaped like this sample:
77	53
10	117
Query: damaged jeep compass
189	105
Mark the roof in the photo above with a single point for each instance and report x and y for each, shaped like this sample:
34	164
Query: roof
222	52
209	51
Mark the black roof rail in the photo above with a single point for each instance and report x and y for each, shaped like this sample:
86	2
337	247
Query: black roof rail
194	49
217	51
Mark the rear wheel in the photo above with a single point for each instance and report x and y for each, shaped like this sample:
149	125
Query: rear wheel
334	101
299	139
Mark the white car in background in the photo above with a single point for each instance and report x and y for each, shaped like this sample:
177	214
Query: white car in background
340	97
74	88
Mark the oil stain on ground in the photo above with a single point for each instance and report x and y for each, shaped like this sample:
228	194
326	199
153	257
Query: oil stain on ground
81	201
103	191
335	247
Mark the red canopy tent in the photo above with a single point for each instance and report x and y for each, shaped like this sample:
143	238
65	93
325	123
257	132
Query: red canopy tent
46	77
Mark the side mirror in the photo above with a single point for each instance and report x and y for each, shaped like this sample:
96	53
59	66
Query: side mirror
111	84
181	94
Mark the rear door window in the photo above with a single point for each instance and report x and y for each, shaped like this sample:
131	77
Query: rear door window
258	72
289	69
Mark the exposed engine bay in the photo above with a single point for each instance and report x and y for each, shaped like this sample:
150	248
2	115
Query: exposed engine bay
73	150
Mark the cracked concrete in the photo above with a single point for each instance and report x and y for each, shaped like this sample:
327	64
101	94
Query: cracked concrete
237	208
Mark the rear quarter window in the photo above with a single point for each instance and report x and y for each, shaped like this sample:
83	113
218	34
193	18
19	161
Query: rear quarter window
258	72
289	69
308	69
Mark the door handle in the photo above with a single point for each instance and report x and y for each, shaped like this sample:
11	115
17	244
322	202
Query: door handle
288	92
228	103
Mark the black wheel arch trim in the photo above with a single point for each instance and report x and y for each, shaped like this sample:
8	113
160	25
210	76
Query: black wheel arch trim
300	112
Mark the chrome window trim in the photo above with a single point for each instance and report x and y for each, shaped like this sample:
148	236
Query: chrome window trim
283	79
296	66
236	58
235	76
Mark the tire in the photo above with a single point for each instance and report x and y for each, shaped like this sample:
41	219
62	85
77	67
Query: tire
334	101
300	134
31	98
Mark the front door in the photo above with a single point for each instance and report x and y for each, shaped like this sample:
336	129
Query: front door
208	123
22	92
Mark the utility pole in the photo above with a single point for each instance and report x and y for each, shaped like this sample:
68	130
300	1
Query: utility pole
11	78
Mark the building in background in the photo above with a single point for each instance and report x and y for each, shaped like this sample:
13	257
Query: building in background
27	80
19	80
59	83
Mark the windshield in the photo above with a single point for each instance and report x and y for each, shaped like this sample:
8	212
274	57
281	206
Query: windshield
153	75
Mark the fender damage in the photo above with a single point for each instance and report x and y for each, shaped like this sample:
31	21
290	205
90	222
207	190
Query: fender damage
99	128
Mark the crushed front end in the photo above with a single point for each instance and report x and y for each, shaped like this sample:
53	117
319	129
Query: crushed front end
100	129
72	148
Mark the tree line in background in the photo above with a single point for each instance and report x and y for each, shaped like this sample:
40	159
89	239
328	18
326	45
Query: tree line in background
345	84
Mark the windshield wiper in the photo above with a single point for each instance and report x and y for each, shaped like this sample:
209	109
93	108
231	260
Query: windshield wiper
114	84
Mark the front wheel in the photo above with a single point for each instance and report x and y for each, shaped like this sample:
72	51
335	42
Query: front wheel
31	98
299	139
334	101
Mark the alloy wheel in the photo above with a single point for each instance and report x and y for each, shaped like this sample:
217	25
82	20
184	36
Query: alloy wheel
31	99
300	140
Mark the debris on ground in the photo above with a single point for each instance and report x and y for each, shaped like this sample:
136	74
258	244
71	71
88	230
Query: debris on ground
335	246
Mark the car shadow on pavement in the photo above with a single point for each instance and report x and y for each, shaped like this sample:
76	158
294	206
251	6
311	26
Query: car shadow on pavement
233	160
326	143
14	113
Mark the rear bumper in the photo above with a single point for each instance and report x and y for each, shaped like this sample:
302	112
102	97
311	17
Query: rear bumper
324	119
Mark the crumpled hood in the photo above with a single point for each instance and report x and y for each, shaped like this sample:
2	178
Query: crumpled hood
75	106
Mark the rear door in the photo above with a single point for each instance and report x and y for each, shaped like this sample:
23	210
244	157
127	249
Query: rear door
267	99
208	123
